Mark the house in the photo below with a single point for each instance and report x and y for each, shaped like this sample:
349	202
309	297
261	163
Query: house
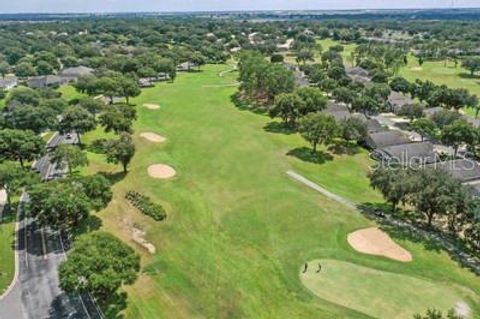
397	101
285	46
75	72
385	139
186	67
374	126
146	82
407	154
429	112
338	110
358	75
38	82
301	79
473	121
8	83
463	170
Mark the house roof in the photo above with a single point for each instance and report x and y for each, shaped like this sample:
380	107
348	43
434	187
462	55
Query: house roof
412	153
429	112
338	110
386	138
464	170
374	126
358	71
77	71
474	122
398	100
45	80
301	80
8	81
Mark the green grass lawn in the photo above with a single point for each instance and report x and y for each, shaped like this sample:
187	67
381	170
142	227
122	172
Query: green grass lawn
438	73
238	228
69	92
366	290
7	264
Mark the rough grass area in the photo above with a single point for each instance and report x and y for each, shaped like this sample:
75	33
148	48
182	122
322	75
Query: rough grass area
7	265
439	73
379	294
238	227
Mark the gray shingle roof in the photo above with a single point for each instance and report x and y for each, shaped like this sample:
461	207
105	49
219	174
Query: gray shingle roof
386	138
429	112
398	100
408	154
76	72
464	170
374	126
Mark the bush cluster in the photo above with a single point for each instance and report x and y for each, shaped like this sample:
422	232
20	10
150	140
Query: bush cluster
146	206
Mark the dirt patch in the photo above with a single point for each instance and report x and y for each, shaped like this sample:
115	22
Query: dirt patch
417	68
161	171
153	137
151	106
138	235
462	309
373	241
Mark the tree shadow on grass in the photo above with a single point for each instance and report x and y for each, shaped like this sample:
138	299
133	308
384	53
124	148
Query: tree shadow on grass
344	148
114	306
114	177
279	127
243	105
465	75
307	155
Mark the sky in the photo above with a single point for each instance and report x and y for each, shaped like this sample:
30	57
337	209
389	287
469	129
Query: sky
76	6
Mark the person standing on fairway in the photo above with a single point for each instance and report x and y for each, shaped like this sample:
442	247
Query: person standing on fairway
305	267
319	268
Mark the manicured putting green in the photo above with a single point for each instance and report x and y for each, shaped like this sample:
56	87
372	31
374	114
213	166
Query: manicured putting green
378	293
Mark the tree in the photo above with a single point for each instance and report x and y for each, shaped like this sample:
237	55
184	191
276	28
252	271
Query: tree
287	106
4	68
313	98
412	111
76	119
425	127
443	118
34	118
24	95
69	156
13	177
128	88
19	145
118	118
94	106
97	188
60	204
457	133
44	68
277	58
25	69
121	150
472	64
392	182
99	263
353	129
400	84
318	128
305	55
344	95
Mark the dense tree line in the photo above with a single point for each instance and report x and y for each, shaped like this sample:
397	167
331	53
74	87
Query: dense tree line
436	198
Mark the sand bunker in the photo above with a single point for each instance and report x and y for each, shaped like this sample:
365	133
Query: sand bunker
373	241
151	106
153	137
417	68
161	171
138	236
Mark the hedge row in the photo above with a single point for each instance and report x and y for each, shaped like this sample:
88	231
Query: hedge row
146	206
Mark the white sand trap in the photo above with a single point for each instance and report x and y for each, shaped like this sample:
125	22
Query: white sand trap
462	309
417	68
153	137
161	171
151	106
373	241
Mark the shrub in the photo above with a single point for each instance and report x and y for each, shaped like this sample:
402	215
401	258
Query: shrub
146	206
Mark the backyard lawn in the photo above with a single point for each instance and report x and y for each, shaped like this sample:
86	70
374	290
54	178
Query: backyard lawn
238	228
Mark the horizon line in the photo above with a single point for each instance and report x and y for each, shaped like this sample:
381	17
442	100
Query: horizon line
244	10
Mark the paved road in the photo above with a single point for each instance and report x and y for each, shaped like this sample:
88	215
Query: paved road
35	293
